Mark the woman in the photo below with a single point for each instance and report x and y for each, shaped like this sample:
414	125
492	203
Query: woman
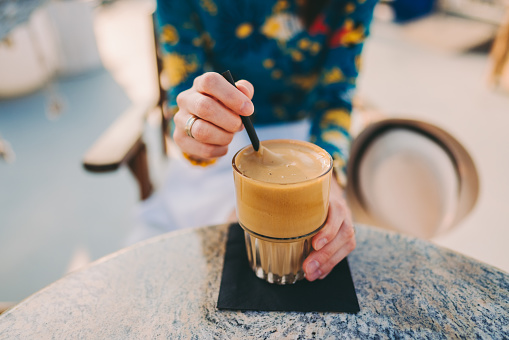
302	57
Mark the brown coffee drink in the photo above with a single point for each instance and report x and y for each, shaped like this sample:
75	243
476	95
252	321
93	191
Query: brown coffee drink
282	199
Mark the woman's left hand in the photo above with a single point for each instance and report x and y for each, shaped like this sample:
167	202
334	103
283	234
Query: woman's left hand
336	239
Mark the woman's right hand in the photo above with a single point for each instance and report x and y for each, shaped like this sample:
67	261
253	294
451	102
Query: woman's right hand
218	105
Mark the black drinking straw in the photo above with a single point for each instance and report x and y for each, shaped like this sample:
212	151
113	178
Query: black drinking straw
245	120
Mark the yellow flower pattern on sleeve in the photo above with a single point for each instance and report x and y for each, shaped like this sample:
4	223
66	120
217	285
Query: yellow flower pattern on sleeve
268	63
276	74
169	35
333	76
209	6
280	6
281	26
244	30
296	55
304	44
305	82
315	48
297	72
336	117
178	67
350	7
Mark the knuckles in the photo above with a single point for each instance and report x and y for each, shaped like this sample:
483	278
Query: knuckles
349	234
211	151
181	98
350	245
348	231
203	106
200	132
207	151
229	138
210	81
204	133
178	136
234	124
325	254
177	118
207	81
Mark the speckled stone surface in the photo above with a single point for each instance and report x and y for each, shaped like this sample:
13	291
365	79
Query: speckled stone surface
167	287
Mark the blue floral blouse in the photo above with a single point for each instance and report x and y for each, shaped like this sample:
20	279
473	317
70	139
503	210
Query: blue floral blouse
296	72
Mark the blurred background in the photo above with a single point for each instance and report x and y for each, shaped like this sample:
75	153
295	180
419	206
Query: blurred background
74	74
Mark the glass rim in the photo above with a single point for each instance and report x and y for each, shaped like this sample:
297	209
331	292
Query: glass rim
326	171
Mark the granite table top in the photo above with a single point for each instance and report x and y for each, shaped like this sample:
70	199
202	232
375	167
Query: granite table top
167	287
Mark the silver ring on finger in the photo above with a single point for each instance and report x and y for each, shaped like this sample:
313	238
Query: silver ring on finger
189	125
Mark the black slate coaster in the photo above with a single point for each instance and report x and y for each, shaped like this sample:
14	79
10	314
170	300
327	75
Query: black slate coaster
242	290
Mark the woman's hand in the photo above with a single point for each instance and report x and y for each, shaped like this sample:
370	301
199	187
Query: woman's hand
336	239
218	105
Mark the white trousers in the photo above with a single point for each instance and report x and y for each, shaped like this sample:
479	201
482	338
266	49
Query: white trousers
194	196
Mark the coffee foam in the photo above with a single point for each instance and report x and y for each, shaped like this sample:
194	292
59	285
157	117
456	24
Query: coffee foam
283	162
280	201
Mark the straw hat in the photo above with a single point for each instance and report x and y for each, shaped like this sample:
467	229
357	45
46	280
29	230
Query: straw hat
410	176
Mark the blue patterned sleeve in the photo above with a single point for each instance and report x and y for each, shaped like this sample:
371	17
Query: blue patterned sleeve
330	100
183	45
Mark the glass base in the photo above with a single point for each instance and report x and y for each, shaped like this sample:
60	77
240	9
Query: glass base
277	262
280	280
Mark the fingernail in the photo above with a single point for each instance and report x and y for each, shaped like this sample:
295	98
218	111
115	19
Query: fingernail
312	266
247	108
321	242
315	275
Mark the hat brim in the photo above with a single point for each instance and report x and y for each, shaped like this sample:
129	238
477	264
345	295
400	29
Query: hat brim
461	162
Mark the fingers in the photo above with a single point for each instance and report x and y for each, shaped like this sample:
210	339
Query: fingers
198	149
337	214
334	242
347	247
208	141
246	88
204	131
209	109
320	263
214	85
218	104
